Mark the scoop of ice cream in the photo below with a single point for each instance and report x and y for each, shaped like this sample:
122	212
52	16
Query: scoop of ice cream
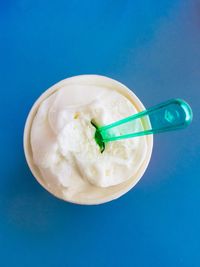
63	144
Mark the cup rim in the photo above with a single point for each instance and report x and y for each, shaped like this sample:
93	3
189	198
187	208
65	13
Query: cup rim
27	147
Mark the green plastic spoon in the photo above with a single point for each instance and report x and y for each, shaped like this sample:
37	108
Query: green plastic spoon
171	115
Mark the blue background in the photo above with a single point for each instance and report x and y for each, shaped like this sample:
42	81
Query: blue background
154	48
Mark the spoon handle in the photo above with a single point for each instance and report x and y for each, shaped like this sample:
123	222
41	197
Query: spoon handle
171	115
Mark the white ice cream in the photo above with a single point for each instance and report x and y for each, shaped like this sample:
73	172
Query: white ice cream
63	145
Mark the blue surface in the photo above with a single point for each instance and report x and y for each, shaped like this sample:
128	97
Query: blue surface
151	46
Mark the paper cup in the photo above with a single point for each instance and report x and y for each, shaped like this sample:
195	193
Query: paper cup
95	195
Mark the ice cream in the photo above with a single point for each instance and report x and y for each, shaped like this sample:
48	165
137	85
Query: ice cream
59	143
63	144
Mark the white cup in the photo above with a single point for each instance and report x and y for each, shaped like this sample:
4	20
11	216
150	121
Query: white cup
97	195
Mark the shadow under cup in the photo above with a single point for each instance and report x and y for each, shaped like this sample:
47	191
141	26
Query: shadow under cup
92	195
